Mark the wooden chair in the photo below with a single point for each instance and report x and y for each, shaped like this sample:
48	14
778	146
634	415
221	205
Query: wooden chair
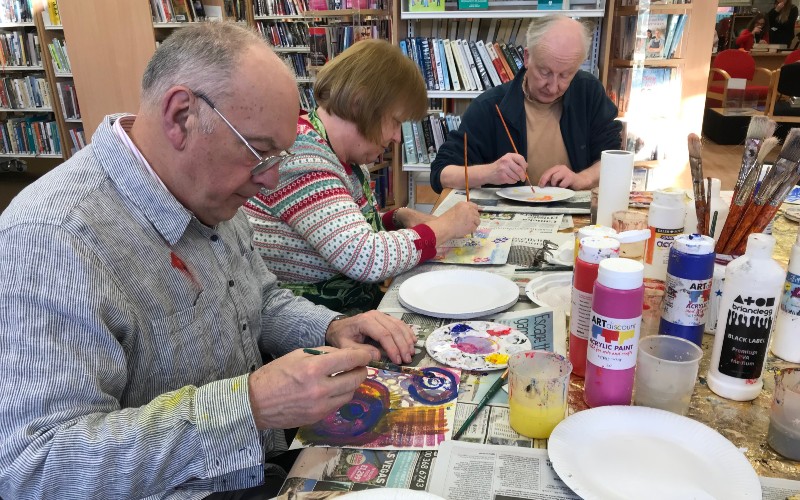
734	63
786	86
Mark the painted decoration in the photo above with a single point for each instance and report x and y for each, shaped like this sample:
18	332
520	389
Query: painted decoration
475	345
391	410
486	246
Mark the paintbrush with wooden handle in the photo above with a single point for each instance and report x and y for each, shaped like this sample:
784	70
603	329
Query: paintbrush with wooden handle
696	166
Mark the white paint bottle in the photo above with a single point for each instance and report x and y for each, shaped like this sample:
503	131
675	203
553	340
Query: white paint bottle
750	299
786	343
665	219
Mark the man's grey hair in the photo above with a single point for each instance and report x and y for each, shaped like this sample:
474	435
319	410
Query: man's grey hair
203	57
539	28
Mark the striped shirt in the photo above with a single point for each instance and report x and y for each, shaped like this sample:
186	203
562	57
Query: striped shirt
127	332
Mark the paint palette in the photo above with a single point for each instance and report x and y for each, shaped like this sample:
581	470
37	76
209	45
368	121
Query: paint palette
475	345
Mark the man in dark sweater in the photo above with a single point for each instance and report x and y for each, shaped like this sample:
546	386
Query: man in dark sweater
559	117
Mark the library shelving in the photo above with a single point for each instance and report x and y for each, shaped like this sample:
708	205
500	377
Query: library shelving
462	53
655	62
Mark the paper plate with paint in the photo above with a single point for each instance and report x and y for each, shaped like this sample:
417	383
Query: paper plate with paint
458	294
475	345
684	458
543	194
551	290
792	213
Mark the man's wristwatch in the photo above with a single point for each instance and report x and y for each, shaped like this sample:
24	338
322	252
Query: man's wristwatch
336	318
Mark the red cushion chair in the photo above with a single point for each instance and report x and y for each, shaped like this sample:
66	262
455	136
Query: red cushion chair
793	56
733	63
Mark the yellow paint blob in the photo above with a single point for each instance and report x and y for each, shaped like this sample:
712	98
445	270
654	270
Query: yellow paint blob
497	358
534	420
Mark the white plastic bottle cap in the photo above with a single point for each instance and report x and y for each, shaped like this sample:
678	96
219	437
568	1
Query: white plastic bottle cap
595	230
596	248
694	244
669	197
621	274
760	246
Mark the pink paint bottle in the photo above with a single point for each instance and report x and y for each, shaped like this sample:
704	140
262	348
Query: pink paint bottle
616	320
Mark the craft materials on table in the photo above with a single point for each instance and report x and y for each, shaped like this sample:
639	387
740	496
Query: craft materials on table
475	345
489	394
593	251
547	194
616	171
688	287
639	452
551	289
750	299
390	410
458	294
696	167
792	213
489	201
714	298
666	372
537	392
485	246
665	219
786	338
616	319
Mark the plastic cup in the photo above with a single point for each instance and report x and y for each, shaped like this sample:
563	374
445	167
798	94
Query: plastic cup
628	220
666	372
783	435
537	392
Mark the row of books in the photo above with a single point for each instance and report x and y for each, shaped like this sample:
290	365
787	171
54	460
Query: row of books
658	89
662	41
298	62
78	138
20	49
30	135
510	31
307	100
382	185
326	42
69	100
27	92
635	3
422	139
300	7
15	11
463	65
284	34
186	11
58	52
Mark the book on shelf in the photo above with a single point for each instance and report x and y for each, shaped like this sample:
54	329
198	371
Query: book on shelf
656	33
58	53
78	138
426	5
50	15
15	11
422	139
473	4
550	5
30	135
19	48
25	93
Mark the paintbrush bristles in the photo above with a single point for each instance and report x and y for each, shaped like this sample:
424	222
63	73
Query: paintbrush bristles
791	146
760	127
766	147
695	146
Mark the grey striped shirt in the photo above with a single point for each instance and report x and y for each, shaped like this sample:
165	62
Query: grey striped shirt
127	332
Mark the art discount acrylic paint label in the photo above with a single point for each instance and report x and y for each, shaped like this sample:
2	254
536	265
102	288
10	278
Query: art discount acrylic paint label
580	320
613	342
686	301
790	300
746	332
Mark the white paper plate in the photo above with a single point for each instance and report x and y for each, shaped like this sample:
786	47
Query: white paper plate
390	494
551	290
634	452
792	213
458	294
543	194
475	345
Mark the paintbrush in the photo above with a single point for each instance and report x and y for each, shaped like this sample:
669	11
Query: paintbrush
708	208
760	128
513	146
491	392
742	196
696	166
466	170
380	365
774	188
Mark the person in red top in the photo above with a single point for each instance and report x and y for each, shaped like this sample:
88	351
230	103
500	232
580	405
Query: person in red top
756	32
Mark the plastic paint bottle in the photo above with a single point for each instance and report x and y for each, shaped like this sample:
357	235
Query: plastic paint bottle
666	219
593	251
717	282
750	299
587	231
616	320
786	344
719	211
688	288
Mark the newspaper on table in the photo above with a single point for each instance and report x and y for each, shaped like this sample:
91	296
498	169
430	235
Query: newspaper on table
488	201
775	488
475	472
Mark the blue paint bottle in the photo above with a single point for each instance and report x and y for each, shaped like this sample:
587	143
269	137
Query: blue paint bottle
690	270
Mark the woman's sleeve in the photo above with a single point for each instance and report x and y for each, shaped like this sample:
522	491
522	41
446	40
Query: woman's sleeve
320	208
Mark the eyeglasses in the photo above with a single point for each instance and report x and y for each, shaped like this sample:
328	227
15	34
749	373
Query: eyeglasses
264	162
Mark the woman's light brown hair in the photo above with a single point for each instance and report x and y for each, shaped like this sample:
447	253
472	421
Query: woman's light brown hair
370	82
